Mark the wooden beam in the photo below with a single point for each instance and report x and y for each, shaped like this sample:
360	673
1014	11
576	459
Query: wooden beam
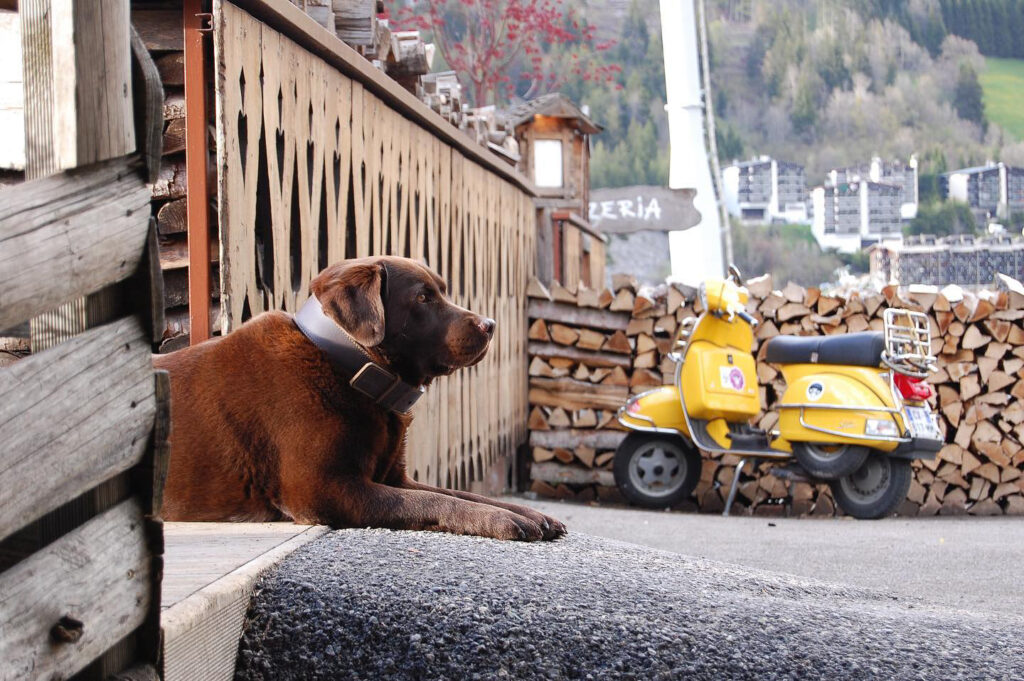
196	158
160	29
552	472
87	418
78	83
68	235
12	95
590	358
571	394
97	575
577	316
570	439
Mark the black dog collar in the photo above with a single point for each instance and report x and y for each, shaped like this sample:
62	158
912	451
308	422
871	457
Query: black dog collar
371	379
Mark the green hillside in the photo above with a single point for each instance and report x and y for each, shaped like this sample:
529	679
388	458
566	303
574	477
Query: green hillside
1002	82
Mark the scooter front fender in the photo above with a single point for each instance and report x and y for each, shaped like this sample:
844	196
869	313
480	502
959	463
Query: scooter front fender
655	411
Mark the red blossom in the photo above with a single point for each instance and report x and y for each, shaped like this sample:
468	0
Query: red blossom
506	47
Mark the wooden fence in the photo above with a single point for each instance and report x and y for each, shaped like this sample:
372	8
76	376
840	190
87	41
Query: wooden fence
320	157
82	424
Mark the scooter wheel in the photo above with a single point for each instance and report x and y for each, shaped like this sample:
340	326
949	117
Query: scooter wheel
875	489
656	471
828	461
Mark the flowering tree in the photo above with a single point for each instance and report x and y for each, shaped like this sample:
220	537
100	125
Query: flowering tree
505	47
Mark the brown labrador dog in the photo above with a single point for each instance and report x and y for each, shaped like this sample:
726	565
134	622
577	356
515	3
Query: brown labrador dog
267	425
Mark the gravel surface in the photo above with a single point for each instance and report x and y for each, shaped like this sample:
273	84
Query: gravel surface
377	604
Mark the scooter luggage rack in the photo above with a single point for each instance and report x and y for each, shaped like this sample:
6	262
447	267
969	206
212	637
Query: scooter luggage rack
908	343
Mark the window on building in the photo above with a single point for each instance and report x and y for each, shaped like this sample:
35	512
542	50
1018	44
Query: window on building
547	163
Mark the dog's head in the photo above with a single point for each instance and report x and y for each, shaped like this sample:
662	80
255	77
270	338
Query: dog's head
399	308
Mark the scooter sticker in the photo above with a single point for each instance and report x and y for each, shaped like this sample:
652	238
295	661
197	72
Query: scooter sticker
815	391
732	377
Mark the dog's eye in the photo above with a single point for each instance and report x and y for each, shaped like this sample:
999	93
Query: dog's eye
421	298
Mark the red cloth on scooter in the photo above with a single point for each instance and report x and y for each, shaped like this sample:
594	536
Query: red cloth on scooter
862	349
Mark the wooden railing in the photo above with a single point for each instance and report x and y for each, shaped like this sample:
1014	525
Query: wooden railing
321	157
82	423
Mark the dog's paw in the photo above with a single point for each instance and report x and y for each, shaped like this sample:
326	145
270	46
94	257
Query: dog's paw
552	529
508	525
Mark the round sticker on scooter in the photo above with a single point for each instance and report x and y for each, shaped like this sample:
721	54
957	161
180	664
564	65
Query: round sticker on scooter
732	377
815	391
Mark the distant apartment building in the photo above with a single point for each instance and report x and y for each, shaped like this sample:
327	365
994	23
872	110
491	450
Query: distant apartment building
993	191
902	174
854	214
962	259
765	190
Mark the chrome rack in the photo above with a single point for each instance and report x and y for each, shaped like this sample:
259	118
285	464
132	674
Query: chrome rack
907	337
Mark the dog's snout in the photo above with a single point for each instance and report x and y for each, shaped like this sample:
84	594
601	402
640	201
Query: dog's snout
486	325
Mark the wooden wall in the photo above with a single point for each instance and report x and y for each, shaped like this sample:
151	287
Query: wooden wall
315	165
82	423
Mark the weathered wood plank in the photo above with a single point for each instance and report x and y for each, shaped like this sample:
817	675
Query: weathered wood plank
572	399
570	439
71	417
70	234
160	29
577	316
12	96
552	472
98	574
80	69
591	358
149	103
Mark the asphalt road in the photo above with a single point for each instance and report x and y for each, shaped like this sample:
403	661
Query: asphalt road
376	604
959	562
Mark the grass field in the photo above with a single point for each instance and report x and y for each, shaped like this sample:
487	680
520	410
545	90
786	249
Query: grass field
1002	83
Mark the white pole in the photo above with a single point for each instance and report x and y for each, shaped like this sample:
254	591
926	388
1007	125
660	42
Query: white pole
696	253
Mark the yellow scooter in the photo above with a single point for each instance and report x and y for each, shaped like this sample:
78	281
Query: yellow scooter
854	412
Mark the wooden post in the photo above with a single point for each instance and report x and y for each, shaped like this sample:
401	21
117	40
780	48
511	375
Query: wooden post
197	199
78	111
78	83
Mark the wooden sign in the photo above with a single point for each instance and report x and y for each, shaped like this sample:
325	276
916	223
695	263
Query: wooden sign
623	210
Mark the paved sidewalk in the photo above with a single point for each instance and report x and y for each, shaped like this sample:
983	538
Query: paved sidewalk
963	562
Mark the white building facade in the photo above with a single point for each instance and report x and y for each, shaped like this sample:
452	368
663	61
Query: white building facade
765	190
992	191
855	214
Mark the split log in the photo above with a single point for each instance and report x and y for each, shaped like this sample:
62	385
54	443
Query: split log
623	301
571	394
570	439
558	418
590	340
593	359
576	316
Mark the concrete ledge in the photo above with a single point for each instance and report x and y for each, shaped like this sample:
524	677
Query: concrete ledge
375	604
201	631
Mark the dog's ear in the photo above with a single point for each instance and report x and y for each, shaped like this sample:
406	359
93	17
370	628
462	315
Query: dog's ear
350	293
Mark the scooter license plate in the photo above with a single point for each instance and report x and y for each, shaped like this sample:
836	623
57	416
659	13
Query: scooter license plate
922	422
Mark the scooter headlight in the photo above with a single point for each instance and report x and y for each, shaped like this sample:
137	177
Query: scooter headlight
881	427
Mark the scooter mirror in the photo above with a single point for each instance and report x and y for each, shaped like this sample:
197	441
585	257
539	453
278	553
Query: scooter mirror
734	272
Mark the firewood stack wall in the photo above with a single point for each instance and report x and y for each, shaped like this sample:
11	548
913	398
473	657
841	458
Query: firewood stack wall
590	350
159	24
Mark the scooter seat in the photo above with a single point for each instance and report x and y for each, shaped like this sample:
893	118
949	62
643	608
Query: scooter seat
862	349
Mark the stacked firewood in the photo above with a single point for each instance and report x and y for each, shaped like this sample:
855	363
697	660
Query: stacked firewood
162	33
591	350
442	93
